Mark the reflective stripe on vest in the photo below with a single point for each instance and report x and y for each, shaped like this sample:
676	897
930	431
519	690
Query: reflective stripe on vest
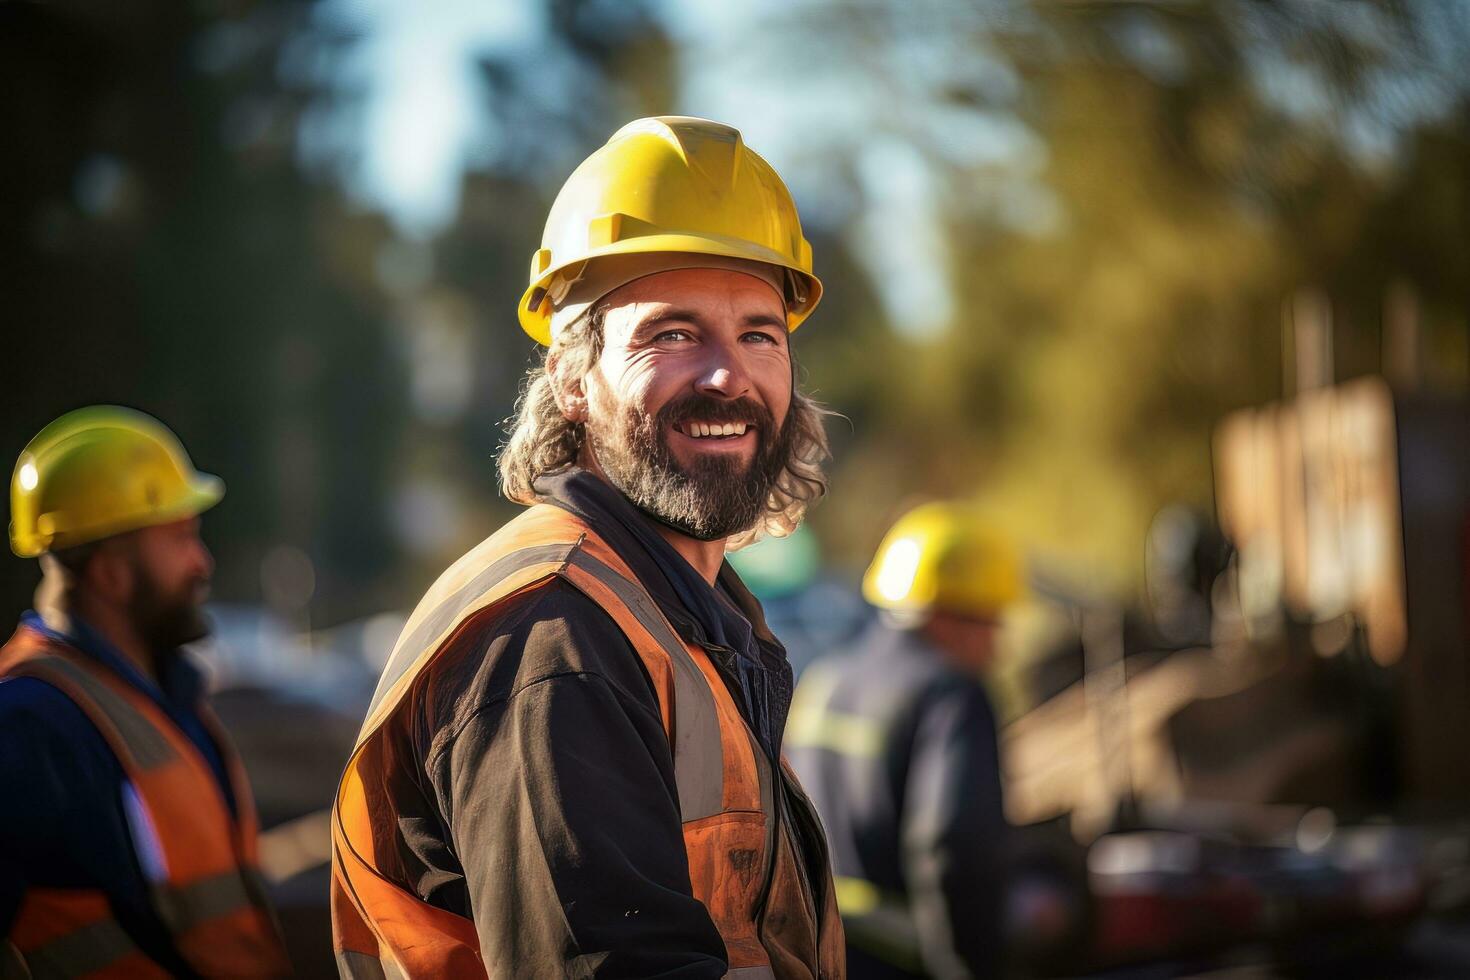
422	635
722	779
211	901
699	766
144	745
91	948
353	965
210	898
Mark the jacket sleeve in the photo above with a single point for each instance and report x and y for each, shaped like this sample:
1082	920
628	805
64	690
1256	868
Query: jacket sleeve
953	835
564	813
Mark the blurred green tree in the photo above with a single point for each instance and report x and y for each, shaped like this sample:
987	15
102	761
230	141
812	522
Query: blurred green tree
1057	239
163	250
1128	194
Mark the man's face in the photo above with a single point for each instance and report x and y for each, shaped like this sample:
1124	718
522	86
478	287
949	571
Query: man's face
686	407
968	639
171	569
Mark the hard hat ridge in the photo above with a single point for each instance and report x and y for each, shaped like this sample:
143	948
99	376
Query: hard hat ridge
670	184
691	135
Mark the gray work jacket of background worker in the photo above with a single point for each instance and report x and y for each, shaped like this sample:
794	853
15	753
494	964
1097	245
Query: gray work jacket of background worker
897	749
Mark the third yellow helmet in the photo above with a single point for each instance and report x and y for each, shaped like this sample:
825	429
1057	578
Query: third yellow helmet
944	556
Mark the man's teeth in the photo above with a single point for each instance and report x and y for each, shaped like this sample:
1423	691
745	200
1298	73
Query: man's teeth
704	430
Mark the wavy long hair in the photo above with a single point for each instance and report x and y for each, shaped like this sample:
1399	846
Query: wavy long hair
543	440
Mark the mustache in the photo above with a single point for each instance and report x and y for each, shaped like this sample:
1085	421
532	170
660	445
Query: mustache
718	410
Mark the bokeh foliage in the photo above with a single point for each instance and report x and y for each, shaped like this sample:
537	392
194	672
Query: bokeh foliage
1116	200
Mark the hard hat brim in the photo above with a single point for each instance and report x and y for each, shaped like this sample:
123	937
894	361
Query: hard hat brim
203	492
536	319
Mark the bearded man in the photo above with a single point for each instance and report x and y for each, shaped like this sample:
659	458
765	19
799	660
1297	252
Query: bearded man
127	836
572	765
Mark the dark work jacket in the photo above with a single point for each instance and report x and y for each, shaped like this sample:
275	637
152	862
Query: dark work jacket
898	752
543	780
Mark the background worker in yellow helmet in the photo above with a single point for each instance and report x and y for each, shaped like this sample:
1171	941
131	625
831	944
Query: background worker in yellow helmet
896	743
127	832
572	765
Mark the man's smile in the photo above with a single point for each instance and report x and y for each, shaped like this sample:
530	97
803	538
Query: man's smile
717	436
711	430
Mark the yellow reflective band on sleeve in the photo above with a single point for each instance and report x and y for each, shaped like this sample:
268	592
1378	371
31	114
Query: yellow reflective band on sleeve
840	733
855	896
878	922
813	724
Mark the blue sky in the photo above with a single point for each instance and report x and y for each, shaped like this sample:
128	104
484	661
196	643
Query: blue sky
414	69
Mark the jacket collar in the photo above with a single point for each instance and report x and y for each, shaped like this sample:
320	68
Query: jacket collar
725	620
700	613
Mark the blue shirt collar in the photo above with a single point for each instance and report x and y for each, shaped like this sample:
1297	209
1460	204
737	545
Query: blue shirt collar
181	682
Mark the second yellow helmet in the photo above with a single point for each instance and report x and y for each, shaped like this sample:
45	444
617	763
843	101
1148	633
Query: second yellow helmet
100	471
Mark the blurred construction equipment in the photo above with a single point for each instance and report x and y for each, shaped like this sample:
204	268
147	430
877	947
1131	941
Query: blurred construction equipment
1272	762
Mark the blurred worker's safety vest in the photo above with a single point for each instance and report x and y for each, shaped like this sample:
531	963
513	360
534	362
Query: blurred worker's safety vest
206	888
724	779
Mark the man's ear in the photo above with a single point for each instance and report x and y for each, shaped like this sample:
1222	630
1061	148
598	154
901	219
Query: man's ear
109	572
569	391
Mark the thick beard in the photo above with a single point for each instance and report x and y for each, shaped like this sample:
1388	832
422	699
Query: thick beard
164	621
716	496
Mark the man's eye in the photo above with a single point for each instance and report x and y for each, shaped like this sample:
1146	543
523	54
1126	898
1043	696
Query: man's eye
758	337
673	335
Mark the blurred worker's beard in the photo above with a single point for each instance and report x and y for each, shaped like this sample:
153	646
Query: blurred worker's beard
717	494
167	618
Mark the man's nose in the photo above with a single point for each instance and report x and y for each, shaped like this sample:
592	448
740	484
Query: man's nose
724	376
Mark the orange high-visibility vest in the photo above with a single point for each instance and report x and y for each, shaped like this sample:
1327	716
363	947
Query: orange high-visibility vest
211	898
727	787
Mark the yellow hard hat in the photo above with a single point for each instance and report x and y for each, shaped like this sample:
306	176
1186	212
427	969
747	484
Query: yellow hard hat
670	184
943	556
99	471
